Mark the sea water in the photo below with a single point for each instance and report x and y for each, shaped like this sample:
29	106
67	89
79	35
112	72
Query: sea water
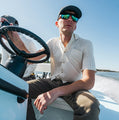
108	83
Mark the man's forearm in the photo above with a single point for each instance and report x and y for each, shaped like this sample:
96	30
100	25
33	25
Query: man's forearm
68	89
87	82
18	42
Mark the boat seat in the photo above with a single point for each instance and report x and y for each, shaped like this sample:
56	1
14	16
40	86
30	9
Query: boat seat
61	104
58	110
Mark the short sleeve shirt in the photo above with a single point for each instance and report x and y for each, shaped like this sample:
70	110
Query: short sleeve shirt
68	62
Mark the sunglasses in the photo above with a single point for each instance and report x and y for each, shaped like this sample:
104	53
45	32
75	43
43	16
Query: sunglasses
66	16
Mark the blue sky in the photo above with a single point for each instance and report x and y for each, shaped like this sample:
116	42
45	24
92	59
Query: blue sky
99	23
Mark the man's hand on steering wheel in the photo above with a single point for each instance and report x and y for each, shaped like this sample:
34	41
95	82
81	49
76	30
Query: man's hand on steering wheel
14	37
11	34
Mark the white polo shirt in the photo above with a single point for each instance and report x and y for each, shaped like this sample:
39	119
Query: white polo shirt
68	62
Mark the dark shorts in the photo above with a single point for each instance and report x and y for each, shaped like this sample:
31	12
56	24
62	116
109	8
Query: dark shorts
84	104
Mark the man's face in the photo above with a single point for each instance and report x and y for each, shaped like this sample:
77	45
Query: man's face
66	25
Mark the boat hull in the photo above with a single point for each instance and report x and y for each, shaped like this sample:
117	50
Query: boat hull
10	109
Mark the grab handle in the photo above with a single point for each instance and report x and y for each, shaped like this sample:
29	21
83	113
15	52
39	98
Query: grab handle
20	93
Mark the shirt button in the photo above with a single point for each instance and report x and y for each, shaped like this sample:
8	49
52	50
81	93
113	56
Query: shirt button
65	51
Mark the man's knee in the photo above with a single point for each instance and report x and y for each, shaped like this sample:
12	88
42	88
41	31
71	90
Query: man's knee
87	106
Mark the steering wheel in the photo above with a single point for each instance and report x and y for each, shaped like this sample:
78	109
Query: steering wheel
5	29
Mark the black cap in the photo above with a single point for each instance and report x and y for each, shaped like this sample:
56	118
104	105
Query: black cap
11	19
71	8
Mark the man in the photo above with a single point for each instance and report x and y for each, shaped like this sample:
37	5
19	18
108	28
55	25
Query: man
71	56
28	43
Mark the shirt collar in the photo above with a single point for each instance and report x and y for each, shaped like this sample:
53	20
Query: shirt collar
73	38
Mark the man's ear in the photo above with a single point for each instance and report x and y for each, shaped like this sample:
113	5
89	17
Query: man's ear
56	23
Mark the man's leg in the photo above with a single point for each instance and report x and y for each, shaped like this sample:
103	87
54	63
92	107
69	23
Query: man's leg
84	104
36	87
